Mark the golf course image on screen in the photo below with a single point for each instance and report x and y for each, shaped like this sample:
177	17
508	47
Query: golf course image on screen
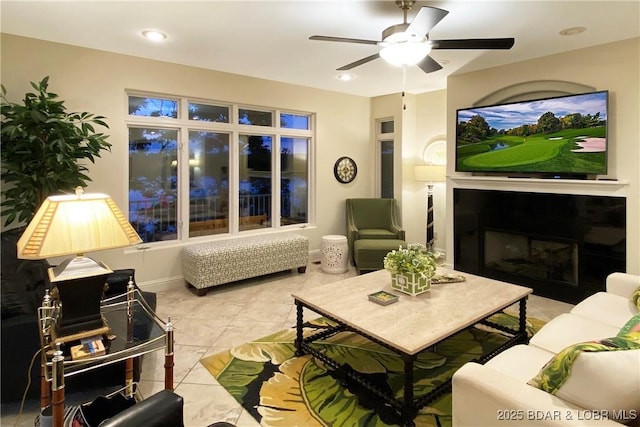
560	135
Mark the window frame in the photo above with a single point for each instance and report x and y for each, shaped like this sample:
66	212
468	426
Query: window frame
184	125
381	137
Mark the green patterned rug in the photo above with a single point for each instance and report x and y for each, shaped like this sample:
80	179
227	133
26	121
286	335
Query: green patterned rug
280	389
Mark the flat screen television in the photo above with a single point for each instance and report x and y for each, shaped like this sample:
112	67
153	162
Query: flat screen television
563	136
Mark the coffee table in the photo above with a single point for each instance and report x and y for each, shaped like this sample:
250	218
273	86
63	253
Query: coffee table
409	326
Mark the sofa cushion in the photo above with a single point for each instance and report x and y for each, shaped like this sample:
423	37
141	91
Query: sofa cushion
521	361
597	375
21	292
607	308
567	329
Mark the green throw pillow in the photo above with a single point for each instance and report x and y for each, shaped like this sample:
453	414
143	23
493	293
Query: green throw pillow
633	325
635	298
554	374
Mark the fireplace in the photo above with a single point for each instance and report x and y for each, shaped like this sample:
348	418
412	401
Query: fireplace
562	246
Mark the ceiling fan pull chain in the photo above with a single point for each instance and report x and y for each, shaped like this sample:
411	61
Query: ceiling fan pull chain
404	85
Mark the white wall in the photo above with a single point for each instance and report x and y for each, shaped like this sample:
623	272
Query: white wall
614	67
95	81
430	126
420	123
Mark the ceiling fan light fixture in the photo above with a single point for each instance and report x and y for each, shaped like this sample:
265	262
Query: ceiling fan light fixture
407	53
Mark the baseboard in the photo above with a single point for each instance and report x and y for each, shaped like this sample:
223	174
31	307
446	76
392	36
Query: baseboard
315	255
162	284
178	281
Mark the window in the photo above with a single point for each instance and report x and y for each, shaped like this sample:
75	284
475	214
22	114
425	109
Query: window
386	169
294	121
255	117
386	126
153	182
153	107
209	113
385	144
208	183
294	184
203	168
254	202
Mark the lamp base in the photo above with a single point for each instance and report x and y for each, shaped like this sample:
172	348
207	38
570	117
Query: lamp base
79	302
64	335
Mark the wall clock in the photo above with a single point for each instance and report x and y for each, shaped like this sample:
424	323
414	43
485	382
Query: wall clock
345	170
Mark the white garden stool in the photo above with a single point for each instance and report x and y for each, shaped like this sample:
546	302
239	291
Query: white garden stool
335	254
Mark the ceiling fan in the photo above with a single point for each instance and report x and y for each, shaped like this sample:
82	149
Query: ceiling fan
409	43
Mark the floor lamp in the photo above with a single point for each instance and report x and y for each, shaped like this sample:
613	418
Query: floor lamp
431	174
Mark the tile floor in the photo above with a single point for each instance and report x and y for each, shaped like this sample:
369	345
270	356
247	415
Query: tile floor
227	316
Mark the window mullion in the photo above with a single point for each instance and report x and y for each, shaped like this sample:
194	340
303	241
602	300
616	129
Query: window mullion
234	179
276	180
183	183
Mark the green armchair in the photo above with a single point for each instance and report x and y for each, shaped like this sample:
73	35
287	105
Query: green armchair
375	220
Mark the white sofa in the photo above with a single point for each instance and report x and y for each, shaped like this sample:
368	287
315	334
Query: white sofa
497	393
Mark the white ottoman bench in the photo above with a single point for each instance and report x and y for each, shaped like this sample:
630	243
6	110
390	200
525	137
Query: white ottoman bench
213	263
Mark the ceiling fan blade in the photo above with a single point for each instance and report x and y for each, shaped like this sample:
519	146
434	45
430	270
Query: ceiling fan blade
506	43
342	39
429	65
425	20
359	62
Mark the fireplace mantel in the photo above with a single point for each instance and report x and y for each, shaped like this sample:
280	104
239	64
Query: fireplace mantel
596	187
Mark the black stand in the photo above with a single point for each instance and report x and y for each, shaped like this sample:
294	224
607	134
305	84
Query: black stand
430	233
80	299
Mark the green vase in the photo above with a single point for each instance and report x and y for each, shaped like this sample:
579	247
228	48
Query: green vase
412	283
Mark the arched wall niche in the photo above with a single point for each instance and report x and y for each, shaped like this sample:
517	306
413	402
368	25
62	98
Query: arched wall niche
533	90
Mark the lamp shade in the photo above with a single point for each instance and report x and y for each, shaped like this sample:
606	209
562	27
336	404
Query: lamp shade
431	173
75	224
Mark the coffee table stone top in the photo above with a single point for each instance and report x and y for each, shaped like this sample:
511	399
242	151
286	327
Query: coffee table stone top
413	323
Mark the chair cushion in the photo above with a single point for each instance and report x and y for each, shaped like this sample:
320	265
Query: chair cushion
369	253
597	375
606	307
376	233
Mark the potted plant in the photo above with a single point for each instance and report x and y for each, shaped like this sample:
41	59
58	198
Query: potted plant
411	268
43	149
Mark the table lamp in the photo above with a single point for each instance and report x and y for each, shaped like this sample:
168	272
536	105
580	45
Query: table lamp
73	225
430	173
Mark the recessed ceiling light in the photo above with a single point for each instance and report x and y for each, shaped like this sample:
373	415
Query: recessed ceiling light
154	35
442	61
572	31
345	77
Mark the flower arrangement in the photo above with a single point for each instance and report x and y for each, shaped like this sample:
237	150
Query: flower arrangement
414	259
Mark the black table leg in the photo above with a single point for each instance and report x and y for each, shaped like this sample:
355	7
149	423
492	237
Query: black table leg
299	322
523	321
409	410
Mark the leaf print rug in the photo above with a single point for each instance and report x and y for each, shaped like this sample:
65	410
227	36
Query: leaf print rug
280	389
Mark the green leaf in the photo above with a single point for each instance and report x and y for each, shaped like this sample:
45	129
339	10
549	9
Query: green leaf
43	149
